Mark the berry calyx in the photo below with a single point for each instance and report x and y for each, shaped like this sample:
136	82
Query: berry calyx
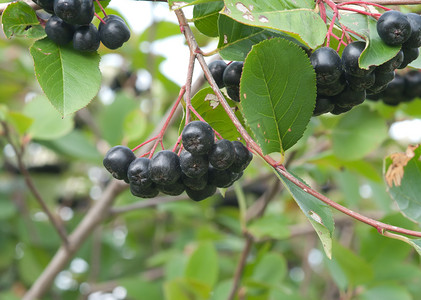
193	165
393	28
198	137
138	172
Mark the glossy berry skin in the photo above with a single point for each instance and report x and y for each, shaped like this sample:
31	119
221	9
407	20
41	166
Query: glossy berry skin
327	64
350	57
323	106
333	88
217	69
173	189
393	28
144	192
222	154
414	40
242	157
349	98
234	93
59	31
412	84
77	12
195	183
232	74
409	55
165	168
86	38
392	64
361	83
193	165
114	33
393	94
198	137
138	172
221	178
117	161
380	84
200	195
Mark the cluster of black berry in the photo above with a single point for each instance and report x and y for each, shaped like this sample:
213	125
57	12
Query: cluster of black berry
342	84
403	88
71	21
203	166
228	76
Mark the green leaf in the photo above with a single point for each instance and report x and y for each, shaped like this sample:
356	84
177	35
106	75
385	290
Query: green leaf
205	17
19	121
175	4
270	270
317	212
203	264
355	268
236	39
185	289
386	292
19	19
47	124
207	105
376	51
416	244
278	92
285	16
69	78
358	133
405	187
271	226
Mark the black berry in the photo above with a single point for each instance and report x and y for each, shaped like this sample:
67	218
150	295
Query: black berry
414	40
86	38
242	157
114	33
173	189
193	165
350	56
198	137
409	55
59	31
117	161
222	154
323	106
327	64
393	28
195	183
234	93
199	195
138	172
392	64
232	74
361	83
144	192
217	69
164	168
78	12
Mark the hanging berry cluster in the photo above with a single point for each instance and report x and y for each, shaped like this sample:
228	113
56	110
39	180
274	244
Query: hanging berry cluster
203	166
71	22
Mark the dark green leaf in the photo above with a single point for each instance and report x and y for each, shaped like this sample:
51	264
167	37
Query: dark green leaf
286	16
358	133
205	17
69	78
317	212
270	270
236	39
403	175
271	226
19	19
278	93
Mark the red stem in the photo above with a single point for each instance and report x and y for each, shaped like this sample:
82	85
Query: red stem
366	3
99	18
144	143
102	8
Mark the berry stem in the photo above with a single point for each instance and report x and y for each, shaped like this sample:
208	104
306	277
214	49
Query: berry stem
187	95
99	18
201	119
101	7
374	15
144	143
362	2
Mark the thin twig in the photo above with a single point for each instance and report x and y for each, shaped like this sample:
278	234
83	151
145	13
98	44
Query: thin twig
31	186
381	227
